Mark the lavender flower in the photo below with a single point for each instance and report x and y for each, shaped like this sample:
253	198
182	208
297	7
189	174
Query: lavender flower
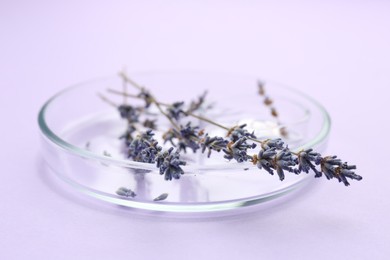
284	161
238	150
176	110
144	148
170	135
195	105
128	112
344	171
329	164
238	132
277	143
306	158
151	124
264	159
169	164
188	138
213	143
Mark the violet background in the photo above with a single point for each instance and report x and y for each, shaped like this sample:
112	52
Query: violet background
336	51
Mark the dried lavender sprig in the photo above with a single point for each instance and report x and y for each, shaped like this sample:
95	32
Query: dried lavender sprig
284	160
280	158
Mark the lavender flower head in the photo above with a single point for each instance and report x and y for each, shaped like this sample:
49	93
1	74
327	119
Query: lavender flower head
176	110
129	112
238	132
169	164
238	150
213	143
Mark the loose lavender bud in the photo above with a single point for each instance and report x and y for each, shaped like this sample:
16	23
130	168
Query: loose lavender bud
213	143
126	192
176	110
238	150
169	164
128	112
161	197
239	132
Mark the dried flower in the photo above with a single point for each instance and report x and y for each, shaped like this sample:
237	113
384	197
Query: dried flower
176	110
273	156
270	143
306	158
195	105
128	112
213	143
169	164
188	138
144	148
238	150
284	161
264	159
238	132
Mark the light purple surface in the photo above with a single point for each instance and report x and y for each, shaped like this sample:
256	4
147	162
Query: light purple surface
336	51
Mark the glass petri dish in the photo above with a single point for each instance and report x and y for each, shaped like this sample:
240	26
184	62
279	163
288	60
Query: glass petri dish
81	145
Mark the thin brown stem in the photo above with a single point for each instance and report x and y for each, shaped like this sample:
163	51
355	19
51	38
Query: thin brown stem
108	101
209	121
130	81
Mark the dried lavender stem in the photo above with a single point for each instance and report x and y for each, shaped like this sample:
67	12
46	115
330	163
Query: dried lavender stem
209	121
105	99
130	81
122	93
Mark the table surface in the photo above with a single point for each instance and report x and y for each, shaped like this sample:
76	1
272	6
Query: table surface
336	51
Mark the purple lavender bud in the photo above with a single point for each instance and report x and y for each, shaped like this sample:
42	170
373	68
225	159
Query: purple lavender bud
213	143
122	191
188	138
273	143
170	164
239	132
128	112
305	162
238	150
176	110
